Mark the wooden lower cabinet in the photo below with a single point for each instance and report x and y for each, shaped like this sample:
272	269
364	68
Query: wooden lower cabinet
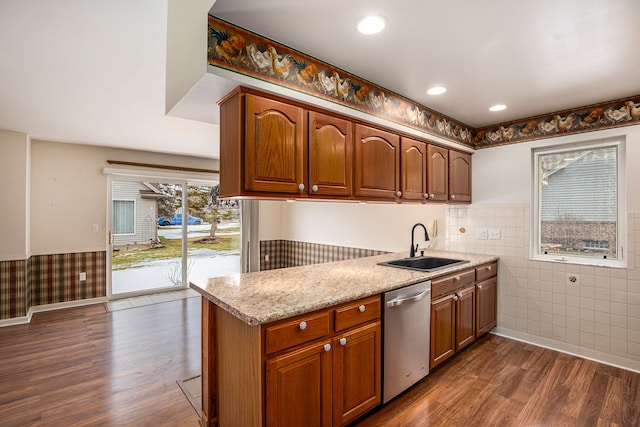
356	373
299	387
465	317
443	332
486	299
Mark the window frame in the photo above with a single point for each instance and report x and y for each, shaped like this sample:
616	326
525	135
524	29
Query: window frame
135	213
621	215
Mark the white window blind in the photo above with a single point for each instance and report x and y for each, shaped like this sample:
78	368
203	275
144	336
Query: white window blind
123	217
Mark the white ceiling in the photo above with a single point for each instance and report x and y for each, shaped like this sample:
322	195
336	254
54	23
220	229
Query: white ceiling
93	71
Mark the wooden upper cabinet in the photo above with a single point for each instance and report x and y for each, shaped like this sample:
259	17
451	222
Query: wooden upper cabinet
330	155
413	169
275	146
437	173
377	163
459	176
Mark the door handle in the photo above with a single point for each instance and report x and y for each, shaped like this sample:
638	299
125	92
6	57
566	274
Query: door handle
417	297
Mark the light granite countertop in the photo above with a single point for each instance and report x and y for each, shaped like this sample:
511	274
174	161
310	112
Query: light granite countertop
266	296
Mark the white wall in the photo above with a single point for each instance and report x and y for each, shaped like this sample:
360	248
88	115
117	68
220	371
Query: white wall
69	193
270	226
380	226
599	318
14	193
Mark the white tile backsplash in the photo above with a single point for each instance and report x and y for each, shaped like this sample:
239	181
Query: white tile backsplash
598	316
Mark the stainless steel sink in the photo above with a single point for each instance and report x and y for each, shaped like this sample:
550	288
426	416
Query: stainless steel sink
423	263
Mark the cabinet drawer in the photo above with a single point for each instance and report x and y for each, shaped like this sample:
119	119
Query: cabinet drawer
298	331
356	313
450	283
486	271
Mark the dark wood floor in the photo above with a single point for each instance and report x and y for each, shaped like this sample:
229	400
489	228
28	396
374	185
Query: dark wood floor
84	366
501	382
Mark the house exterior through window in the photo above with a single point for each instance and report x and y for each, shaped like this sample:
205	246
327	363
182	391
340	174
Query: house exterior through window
578	207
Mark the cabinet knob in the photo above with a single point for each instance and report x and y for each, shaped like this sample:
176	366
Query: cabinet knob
327	347
301	187
433	196
303	326
314	188
362	308
456	298
479	286
489	268
343	341
457	278
399	193
453	197
426	195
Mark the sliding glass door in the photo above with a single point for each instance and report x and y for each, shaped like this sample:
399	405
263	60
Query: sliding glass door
164	234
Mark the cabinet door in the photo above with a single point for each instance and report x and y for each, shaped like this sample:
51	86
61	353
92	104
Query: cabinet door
442	330
274	146
437	173
356	367
459	176
298	387
486	306
330	155
465	317
413	169
377	163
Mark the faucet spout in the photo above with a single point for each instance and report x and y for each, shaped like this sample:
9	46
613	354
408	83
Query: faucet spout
412	251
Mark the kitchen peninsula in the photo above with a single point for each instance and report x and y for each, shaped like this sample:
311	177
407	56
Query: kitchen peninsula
278	335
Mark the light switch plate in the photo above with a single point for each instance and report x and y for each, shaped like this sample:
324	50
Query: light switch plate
482	234
494	233
83	276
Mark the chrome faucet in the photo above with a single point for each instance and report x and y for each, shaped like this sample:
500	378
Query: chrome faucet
413	250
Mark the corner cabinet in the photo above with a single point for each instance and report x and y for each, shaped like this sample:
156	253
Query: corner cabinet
463	308
377	163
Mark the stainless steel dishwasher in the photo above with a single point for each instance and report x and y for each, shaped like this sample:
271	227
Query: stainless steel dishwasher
407	320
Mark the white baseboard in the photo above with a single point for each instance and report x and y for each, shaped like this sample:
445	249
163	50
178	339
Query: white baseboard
50	307
574	350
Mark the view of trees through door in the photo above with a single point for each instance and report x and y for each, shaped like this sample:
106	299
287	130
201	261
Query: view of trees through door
156	246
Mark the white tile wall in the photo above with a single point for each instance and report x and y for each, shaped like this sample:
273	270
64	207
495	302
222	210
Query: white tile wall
599	318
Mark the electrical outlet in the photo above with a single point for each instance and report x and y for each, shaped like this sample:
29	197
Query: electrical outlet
573	279
266	258
83	276
494	233
482	234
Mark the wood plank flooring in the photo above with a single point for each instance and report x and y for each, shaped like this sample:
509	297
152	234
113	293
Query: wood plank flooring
501	382
85	366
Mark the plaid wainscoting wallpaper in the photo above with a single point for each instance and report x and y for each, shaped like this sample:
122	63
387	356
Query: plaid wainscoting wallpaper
13	289
56	278
288	253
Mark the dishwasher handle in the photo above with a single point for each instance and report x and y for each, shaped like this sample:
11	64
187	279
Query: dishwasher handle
417	297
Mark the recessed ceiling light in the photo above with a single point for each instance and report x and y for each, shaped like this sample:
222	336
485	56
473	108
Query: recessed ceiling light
498	107
371	24
437	90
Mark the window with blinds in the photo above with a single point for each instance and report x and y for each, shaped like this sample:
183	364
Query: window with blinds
124	214
577	213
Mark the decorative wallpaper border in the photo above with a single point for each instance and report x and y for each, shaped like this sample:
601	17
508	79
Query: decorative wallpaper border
245	52
13	289
289	253
623	112
55	278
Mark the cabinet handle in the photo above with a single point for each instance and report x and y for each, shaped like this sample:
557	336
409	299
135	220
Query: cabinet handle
426	195
479	286
362	308
399	193
457	278
456	298
453	197
327	347
314	188
301	187
303	326
433	196
343	341
489	268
